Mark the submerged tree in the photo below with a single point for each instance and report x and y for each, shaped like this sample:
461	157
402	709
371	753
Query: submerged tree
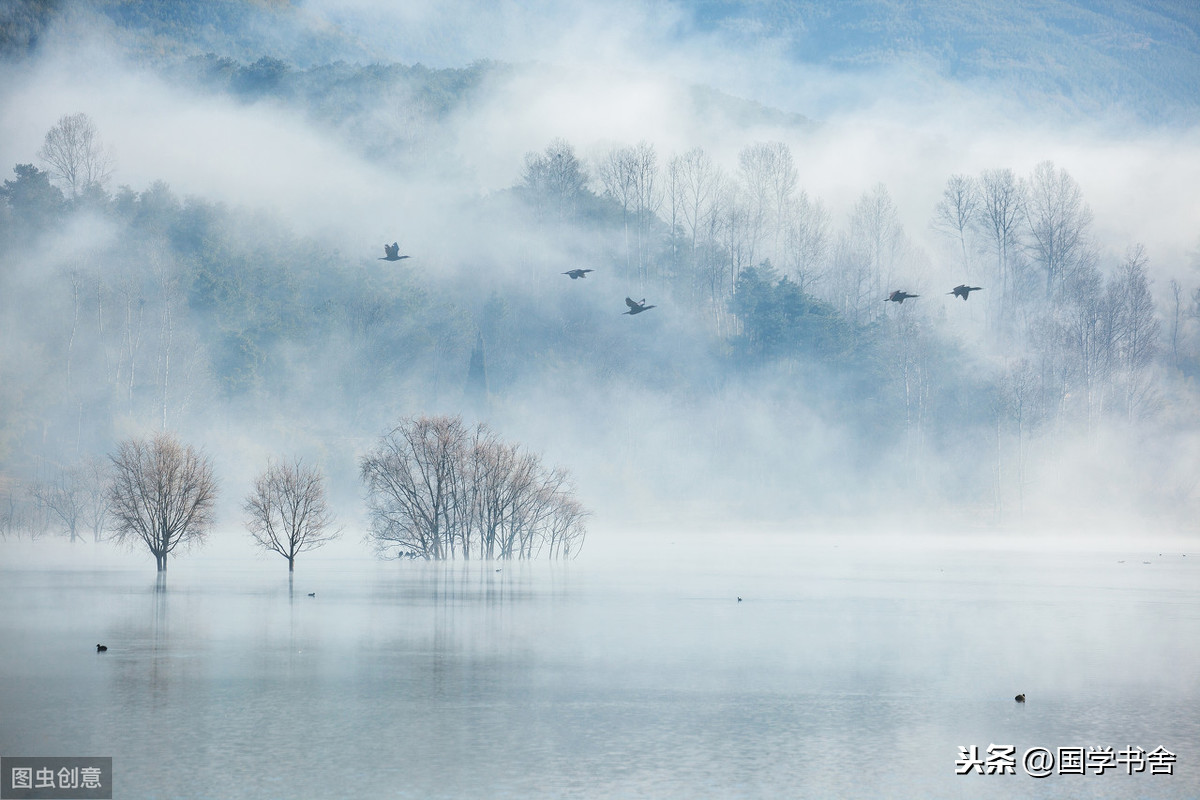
287	511
440	490
162	494
63	498
77	497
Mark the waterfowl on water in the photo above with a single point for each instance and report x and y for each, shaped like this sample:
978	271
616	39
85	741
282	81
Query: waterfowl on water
1020	698
101	648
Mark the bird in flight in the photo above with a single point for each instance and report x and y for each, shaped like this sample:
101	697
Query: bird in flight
578	273
392	252
962	290
635	307
899	296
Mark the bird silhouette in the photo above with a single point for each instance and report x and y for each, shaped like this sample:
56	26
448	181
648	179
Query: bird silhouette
899	296
312	594
578	273
635	307
1020	698
962	290
392	252
101	648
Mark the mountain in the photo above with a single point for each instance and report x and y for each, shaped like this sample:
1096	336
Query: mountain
1087	56
1073	57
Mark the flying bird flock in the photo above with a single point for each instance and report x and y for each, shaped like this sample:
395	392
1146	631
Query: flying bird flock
391	252
962	290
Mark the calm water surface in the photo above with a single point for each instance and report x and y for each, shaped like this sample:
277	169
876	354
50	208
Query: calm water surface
853	668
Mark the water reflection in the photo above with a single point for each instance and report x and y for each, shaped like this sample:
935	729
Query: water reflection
847	671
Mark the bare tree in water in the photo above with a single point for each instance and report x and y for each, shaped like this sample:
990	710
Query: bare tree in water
287	511
63	498
439	490
162	494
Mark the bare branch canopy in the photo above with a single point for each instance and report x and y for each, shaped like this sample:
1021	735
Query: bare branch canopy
287	511
162	494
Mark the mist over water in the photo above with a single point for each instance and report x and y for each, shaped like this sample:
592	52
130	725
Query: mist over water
853	667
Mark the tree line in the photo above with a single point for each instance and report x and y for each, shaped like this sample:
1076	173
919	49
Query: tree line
194	302
435	490
694	228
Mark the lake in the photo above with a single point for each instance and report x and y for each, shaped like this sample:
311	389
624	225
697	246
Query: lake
854	666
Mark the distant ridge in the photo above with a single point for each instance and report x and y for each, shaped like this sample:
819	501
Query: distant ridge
1069	57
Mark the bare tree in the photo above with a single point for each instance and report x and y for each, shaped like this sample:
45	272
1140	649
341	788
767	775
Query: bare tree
287	511
62	496
440	491
493	465
647	199
1088	337
1018	391
555	180
75	155
162	494
735	235
851	288
94	474
1000	214
699	183
566	531
807	241
1058	222
1176	320
411	480
957	211
132	310
616	172
76	279
876	232
674	200
20	510
769	178
1135	332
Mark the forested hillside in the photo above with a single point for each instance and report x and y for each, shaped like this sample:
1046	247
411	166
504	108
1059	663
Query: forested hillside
771	375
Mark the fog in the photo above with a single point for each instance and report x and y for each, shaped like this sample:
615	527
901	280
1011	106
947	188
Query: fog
646	412
809	501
